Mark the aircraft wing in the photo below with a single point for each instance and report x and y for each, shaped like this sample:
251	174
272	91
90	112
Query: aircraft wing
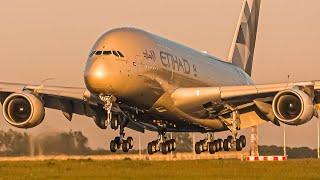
69	100
211	102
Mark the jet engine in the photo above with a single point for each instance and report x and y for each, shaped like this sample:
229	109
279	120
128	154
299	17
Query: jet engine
293	107
23	110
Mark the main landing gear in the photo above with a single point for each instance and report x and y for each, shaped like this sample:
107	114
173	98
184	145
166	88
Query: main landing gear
209	144
213	146
118	142
234	144
162	144
231	143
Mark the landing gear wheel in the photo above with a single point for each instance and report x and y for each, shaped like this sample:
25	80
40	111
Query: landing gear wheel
174	144
216	143
230	138
150	148
198	148
164	148
227	144
130	142
212	147
243	140
238	145
117	140
170	145
114	123
113	146
125	146
220	144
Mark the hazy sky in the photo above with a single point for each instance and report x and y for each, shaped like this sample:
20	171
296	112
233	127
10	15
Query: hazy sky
51	39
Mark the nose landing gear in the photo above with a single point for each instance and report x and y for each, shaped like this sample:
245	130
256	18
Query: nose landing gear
108	100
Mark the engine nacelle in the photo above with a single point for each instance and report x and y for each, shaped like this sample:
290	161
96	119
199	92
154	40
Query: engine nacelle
293	107
23	110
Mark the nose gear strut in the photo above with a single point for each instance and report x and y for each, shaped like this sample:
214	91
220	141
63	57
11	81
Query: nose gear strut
108	100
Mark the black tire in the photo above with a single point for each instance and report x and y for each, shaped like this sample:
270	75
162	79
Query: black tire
238	145
220	141
243	140
174	144
150	148
226	145
216	143
117	140
155	146
212	148
198	148
125	146
113	146
130	141
114	123
170	145
164	148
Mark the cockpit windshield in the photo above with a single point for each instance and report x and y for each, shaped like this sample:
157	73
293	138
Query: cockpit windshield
104	53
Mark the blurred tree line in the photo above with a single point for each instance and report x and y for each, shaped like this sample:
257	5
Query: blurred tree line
184	142
293	153
14	143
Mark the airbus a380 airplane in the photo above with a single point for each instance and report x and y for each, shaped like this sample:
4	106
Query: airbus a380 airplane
138	80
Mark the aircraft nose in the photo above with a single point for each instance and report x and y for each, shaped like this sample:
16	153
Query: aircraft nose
97	76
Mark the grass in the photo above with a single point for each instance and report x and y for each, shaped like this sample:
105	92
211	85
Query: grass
127	169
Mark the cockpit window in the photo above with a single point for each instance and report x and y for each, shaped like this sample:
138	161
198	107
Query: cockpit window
107	52
120	54
115	53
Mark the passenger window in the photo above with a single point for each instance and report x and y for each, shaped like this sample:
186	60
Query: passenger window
98	52
120	54
106	52
115	53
